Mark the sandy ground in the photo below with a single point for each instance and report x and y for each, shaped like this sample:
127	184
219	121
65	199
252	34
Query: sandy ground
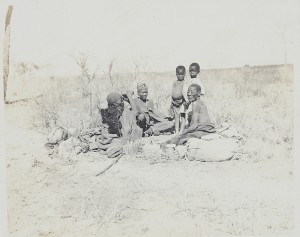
139	197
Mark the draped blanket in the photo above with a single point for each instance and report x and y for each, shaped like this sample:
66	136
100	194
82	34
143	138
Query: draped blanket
200	131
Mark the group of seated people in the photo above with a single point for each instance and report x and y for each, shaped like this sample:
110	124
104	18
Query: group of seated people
188	118
188	113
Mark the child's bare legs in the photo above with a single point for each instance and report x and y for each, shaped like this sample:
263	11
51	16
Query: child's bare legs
177	123
182	122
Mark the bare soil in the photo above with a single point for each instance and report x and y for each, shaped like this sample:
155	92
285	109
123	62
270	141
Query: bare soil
137	196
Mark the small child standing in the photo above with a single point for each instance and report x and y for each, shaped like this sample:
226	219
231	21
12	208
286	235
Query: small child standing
177	109
194	71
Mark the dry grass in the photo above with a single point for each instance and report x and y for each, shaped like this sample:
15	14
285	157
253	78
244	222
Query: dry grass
257	101
146	194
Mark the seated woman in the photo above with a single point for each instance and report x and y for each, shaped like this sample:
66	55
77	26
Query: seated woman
148	118
199	121
112	114
116	127
119	119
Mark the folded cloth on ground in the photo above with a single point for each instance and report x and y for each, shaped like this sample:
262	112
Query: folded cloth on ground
71	147
114	150
211	136
159	127
57	135
211	150
181	151
200	131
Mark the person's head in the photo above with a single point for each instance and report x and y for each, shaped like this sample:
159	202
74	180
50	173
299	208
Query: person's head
111	115
194	92
180	73
142	91
115	100
194	70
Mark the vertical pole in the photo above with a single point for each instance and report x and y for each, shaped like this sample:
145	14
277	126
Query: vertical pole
6	45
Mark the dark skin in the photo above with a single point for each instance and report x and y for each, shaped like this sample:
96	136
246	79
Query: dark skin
142	107
194	98
193	71
143	93
129	94
180	73
178	100
177	85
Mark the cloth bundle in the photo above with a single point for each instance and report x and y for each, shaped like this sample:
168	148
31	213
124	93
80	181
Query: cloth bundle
215	149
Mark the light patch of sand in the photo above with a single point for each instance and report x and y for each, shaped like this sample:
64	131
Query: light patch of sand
136	197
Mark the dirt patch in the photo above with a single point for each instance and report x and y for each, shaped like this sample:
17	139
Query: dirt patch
140	196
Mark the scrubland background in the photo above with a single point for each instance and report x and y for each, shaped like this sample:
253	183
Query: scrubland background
142	195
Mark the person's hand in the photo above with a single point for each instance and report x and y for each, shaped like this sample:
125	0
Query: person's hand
186	104
176	103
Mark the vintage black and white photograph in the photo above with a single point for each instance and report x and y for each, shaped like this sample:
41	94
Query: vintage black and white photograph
148	118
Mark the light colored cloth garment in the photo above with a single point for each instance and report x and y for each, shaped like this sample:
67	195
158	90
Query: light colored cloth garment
219	149
160	127
56	135
200	131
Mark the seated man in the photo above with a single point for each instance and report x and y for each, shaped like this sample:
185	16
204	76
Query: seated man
199	122
148	118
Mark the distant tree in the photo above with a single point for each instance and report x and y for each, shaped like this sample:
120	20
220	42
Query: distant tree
86	78
109	71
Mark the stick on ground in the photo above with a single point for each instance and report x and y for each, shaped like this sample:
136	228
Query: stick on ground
111	164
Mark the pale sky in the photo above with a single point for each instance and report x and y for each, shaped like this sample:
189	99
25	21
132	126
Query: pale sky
158	34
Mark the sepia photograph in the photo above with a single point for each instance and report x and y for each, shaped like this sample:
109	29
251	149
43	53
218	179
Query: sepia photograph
148	118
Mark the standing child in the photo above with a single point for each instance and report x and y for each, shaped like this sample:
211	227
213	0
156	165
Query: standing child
177	107
194	71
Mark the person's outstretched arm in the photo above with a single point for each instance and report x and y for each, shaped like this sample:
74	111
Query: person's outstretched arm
129	94
182	123
195	119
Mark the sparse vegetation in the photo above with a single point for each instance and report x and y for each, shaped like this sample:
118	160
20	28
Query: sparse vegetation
145	193
257	101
